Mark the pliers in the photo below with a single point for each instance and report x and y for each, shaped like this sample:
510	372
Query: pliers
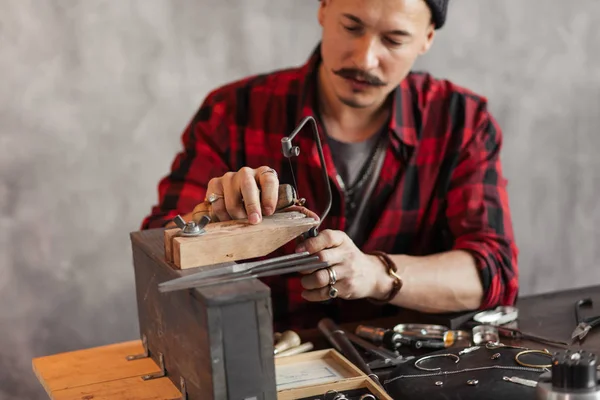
584	325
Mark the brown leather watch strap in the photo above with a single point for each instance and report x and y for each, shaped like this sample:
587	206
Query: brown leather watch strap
392	270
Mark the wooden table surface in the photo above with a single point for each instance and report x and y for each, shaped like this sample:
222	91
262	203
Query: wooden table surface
105	373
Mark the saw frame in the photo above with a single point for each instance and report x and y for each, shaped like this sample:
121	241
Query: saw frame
229	241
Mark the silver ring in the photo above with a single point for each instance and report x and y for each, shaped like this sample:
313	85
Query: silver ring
333	292
271	170
214	197
332	276
433	356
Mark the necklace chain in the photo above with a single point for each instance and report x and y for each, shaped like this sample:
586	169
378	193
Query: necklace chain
466	370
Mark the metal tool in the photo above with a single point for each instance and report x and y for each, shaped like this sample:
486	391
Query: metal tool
515	333
257	272
584	325
500	315
573	377
235	269
338	339
385	358
290	151
520	381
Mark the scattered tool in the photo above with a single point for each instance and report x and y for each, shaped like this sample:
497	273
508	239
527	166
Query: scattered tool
287	340
338	339
230	268
515	333
302	348
520	381
584	325
256	272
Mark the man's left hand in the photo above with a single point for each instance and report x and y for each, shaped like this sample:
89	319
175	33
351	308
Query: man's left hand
358	275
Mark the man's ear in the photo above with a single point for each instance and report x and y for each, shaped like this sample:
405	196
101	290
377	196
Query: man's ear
429	39
321	13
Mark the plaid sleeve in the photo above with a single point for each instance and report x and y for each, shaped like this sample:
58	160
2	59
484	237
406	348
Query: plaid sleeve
204	155
478	208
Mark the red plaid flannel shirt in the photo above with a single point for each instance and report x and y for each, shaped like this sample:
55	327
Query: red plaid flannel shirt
441	180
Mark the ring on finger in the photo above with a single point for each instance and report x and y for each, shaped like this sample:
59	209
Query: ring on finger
333	292
270	170
214	197
332	276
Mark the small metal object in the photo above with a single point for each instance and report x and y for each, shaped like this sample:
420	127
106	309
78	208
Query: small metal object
485	334
439	383
498	316
472	382
493	346
428	330
145	354
213	197
496	356
542	352
468	350
159	374
333	292
332	276
182	388
520	381
270	170
367	396
191	228
336	395
435	356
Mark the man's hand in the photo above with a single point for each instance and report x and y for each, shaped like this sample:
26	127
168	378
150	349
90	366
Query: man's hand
358	275
258	188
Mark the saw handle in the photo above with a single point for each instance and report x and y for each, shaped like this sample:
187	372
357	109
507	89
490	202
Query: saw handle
286	197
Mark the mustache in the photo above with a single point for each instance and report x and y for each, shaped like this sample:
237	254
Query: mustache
353	73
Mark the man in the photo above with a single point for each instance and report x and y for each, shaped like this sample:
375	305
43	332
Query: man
432	233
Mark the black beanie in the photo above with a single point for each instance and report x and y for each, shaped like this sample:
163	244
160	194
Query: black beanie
438	11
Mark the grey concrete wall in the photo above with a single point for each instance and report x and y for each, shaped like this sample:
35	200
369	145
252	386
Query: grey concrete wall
94	96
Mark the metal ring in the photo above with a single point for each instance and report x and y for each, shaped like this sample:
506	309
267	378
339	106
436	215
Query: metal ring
332	276
333	292
214	197
271	170
433	356
543	352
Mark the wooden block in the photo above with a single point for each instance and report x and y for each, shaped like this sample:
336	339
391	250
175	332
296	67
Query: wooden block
89	366
102	373
235	240
130	388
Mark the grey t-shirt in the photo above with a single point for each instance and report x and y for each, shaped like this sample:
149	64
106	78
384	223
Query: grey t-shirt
353	161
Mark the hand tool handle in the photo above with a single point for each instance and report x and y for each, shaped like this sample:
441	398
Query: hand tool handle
286	197
337	337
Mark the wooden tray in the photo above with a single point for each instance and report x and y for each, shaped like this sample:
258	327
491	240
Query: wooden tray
316	372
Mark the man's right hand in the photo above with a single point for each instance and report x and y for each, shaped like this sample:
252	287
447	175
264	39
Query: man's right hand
247	193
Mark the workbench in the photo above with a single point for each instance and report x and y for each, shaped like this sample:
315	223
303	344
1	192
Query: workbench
104	372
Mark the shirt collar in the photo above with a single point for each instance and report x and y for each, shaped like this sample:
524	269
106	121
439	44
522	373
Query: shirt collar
401	125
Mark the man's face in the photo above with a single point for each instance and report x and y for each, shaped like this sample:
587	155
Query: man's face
369	46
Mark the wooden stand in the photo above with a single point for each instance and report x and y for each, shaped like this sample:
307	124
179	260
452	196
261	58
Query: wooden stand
102	373
215	342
